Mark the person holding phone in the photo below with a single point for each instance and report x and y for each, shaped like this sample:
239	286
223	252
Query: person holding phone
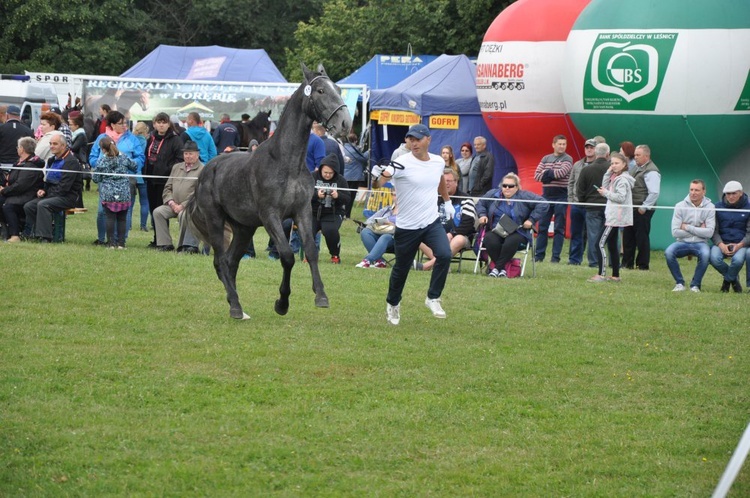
617	188
587	192
731	237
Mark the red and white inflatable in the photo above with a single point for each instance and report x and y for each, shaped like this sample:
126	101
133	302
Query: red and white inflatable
519	71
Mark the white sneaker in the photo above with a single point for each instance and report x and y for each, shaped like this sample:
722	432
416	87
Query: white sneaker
363	264
393	313
678	288
695	288
434	305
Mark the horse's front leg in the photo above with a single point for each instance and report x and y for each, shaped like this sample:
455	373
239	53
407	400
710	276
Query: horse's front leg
305	227
280	237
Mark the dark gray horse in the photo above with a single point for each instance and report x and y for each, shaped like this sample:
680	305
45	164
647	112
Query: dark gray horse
256	128
248	191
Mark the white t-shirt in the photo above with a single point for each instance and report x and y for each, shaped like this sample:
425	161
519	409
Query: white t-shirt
416	186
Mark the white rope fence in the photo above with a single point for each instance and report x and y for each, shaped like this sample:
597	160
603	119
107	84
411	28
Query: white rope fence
476	199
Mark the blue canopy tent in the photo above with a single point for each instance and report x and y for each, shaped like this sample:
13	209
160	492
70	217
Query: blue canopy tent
443	96
207	63
383	71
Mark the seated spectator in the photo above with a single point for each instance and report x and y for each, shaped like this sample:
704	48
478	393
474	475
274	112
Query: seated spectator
377	237
21	187
329	204
693	225
49	122
523	207
731	236
461	228
114	189
59	192
178	190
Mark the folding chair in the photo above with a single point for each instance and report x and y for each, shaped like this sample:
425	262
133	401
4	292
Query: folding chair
526	249
459	257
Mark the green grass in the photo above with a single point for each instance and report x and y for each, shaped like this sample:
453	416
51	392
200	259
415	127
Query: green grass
121	373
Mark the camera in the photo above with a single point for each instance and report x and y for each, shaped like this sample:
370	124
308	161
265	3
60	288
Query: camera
328	199
730	247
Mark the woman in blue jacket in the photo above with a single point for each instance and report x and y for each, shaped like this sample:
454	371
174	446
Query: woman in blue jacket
523	207
128	145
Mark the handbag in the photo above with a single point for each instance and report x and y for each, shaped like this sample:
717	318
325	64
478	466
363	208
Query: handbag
505	226
381	228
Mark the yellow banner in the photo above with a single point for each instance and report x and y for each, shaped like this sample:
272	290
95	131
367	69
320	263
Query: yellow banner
443	121
403	118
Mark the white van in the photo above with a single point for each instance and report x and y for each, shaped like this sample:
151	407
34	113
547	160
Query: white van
32	97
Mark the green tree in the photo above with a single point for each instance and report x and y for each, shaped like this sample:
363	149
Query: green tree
250	24
349	32
76	37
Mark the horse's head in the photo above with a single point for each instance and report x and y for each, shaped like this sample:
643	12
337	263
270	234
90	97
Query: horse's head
328	108
262	120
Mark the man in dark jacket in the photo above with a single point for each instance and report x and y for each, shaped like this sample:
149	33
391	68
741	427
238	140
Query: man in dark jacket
481	170
226	135
589	180
10	132
732	236
62	186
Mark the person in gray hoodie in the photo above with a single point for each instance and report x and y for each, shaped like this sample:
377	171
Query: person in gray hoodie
617	188
693	224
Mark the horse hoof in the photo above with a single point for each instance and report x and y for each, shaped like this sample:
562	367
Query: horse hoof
280	308
239	315
321	302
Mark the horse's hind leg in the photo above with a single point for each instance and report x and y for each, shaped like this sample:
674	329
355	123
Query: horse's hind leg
304	225
280	237
226	272
230	263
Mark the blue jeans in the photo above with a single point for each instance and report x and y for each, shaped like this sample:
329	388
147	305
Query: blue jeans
140	189
407	245
577	240
559	210
101	226
678	250
594	229
376	245
732	270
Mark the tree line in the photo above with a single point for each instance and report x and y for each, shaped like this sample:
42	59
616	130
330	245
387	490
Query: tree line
107	37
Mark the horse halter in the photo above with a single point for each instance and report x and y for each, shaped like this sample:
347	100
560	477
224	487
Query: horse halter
308	93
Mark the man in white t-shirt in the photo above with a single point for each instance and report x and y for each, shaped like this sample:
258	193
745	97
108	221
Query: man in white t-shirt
416	176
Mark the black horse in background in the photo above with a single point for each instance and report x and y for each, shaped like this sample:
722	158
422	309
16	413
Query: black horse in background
256	129
247	191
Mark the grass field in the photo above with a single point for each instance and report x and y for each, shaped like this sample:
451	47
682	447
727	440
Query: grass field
122	374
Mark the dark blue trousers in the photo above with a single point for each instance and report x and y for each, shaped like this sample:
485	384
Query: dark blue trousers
407	244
